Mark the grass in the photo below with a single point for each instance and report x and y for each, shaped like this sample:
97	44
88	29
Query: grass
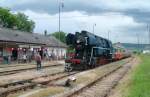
48	92
140	80
45	92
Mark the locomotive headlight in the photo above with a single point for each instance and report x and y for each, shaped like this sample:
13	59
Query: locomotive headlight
78	41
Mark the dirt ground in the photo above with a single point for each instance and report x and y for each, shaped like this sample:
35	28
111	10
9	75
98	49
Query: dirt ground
121	89
28	74
26	66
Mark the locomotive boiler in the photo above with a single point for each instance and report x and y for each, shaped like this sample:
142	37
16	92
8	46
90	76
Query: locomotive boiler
89	51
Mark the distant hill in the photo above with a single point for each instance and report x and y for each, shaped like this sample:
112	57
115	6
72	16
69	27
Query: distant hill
131	46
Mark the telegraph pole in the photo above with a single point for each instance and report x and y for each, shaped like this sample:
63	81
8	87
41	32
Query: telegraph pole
94	25
59	18
148	30
61	5
108	34
138	41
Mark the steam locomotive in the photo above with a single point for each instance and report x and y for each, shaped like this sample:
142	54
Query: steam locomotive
89	51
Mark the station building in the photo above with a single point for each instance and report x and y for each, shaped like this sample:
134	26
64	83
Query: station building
14	44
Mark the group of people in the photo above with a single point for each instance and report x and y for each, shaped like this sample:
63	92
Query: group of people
37	58
24	56
49	56
28	58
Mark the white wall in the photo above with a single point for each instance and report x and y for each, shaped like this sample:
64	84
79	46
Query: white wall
58	52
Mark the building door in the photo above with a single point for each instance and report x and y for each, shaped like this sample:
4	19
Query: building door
1	52
15	54
1	55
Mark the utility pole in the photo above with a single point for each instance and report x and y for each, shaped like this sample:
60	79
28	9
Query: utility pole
148	30
108	35
61	5
138	41
94	25
59	17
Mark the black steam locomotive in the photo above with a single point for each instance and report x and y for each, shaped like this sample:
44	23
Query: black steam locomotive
89	51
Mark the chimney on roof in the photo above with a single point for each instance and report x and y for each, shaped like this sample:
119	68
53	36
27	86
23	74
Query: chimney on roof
45	32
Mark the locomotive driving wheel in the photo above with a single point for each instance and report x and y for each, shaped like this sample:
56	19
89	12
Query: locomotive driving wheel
68	67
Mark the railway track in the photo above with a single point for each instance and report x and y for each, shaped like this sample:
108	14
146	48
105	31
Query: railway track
101	86
10	88
20	65
2	66
3	73
31	83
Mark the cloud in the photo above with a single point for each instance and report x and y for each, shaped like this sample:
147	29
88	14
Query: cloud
119	25
139	15
93	6
51	6
138	9
124	18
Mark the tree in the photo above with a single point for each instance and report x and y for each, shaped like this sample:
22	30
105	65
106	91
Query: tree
60	36
7	19
23	23
19	21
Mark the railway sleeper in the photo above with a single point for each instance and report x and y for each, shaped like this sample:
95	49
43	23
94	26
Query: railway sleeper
21	86
104	86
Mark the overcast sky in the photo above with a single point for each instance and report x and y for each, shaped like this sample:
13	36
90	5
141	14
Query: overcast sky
124	19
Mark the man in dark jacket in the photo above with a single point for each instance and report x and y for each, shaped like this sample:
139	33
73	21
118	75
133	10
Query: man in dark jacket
38	61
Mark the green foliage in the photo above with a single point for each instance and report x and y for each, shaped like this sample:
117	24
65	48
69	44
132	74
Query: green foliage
7	19
137	52
18	21
60	36
70	49
24	24
140	84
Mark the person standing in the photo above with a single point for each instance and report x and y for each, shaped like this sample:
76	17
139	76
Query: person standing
29	56
49	56
38	61
24	58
